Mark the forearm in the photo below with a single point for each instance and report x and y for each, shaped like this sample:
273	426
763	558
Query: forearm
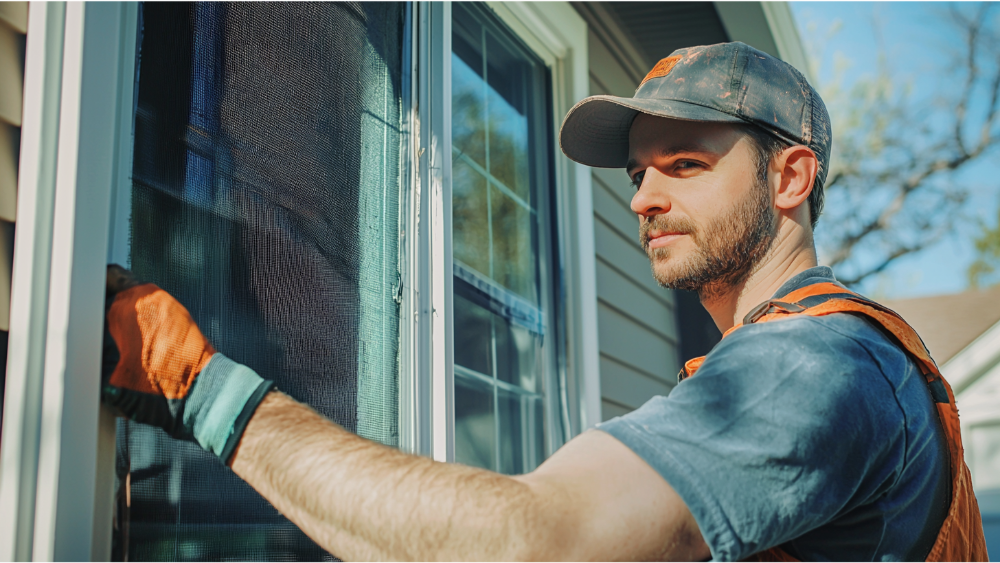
362	500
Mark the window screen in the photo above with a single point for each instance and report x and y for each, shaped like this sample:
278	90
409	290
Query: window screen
265	198
500	208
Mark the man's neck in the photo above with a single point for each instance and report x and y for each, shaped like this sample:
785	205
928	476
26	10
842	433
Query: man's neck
785	260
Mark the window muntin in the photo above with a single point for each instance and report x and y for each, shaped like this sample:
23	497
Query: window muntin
500	210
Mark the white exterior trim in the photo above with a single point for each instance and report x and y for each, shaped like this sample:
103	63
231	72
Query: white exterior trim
973	361
71	130
974	374
786	36
768	26
30	283
427	423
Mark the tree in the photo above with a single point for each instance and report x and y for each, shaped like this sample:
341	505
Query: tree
893	189
985	270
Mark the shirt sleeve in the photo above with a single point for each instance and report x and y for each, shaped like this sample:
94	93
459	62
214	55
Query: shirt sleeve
786	425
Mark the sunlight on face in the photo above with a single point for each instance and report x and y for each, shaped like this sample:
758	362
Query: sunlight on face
705	213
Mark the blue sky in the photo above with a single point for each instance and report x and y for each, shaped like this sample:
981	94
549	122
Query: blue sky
916	44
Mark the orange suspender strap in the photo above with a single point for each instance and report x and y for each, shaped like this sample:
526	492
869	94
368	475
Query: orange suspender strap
786	304
961	536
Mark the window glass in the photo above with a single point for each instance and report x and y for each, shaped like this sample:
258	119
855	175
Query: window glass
265	198
500	185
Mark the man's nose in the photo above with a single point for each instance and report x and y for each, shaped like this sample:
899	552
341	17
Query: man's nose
650	199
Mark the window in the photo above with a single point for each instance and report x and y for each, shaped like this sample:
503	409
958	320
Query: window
503	257
271	166
265	194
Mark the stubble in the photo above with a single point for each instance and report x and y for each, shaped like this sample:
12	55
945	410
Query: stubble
729	249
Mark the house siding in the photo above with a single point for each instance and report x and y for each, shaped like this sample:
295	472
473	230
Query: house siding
637	330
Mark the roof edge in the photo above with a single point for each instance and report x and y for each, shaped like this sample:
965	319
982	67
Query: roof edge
768	26
972	362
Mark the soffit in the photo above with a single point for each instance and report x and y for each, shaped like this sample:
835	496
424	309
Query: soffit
659	28
640	33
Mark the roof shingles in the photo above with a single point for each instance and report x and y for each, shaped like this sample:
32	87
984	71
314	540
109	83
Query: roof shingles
949	323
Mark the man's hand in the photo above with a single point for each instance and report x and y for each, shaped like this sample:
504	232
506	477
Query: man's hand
160	370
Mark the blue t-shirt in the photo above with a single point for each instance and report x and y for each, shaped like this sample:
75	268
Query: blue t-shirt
816	434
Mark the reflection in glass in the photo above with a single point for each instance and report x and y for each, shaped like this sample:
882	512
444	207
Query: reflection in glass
475	430
473	345
499	182
468	111
521	435
508	117
516	354
514	264
470	217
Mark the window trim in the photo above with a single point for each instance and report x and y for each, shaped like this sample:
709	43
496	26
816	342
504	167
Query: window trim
55	487
558	36
426	376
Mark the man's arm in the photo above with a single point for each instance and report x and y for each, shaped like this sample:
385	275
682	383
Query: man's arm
593	499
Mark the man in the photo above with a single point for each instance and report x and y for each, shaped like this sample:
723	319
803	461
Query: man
826	435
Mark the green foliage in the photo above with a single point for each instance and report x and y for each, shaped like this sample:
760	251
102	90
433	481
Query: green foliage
985	270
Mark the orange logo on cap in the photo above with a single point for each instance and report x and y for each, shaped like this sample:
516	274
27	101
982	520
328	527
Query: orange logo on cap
662	68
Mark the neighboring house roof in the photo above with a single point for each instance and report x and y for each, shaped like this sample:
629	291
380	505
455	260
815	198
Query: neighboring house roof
949	323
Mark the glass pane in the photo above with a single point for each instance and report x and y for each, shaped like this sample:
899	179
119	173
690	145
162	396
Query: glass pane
475	423
498	210
522	441
265	190
468	90
507	101
514	263
473	342
470	217
516	353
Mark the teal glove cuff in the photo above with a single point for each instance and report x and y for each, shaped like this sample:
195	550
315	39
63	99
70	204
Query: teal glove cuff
220	403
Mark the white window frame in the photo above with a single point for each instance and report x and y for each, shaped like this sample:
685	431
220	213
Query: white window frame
57	456
56	463
558	36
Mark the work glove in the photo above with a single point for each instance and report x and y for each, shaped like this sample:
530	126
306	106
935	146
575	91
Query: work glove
159	369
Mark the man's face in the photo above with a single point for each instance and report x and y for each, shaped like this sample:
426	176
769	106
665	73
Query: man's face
705	215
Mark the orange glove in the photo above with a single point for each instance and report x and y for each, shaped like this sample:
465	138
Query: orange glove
159	369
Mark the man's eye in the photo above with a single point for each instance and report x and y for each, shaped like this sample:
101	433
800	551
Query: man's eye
637	180
687	164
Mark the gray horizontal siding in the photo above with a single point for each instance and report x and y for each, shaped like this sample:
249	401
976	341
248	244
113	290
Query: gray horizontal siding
635	301
628	387
634	345
636	317
606	72
611	409
625	255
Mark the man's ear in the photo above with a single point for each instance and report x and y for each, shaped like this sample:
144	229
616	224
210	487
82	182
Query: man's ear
797	167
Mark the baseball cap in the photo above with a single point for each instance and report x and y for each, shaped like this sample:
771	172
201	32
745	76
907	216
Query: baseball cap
723	83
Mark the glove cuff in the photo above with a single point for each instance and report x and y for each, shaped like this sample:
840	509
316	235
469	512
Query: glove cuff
220	404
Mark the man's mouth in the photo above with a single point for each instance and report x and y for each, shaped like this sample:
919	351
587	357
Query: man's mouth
659	239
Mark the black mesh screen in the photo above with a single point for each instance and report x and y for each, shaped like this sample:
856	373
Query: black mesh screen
265	198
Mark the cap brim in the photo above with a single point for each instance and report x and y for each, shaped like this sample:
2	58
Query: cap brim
595	131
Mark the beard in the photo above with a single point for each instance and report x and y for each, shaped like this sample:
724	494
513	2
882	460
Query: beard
729	249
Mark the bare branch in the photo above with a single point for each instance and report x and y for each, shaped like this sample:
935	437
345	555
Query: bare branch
971	28
893	187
